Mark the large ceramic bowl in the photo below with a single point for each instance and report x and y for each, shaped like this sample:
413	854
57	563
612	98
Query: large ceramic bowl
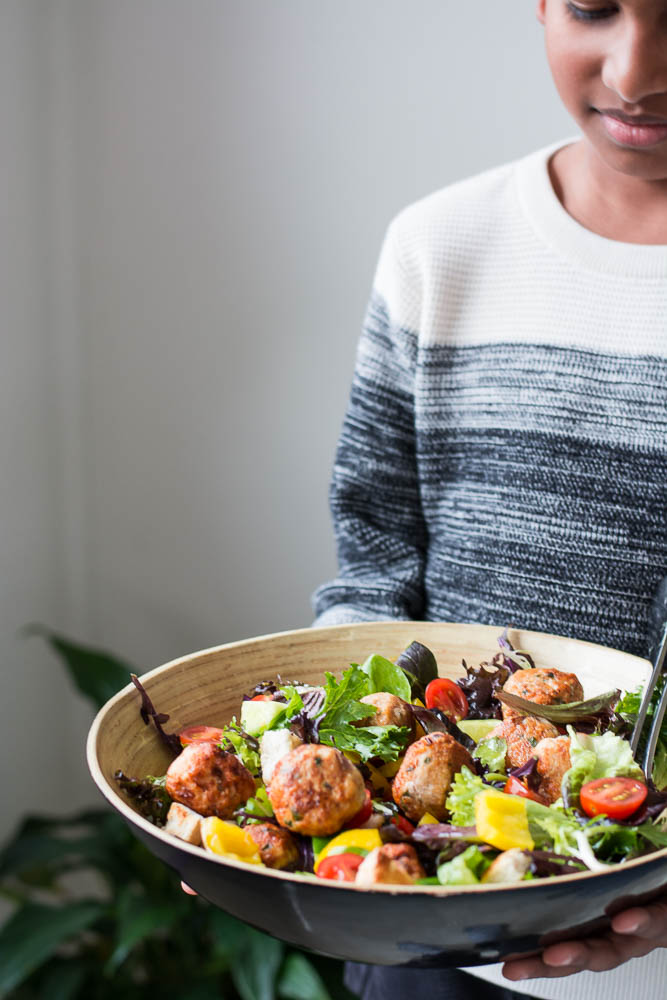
392	925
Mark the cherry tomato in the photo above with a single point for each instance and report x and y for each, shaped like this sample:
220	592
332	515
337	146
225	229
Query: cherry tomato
514	786
403	824
339	867
617	798
200	734
360	817
446	695
262	697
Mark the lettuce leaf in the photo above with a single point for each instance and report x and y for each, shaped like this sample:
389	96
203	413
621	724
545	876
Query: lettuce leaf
605	756
385	742
461	799
383	675
492	752
465	869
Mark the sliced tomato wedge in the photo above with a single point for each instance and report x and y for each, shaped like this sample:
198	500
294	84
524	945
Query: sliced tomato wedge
403	824
262	697
339	867
446	695
617	798
200	734
514	786
360	817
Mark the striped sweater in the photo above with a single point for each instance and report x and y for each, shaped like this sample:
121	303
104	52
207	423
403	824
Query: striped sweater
504	454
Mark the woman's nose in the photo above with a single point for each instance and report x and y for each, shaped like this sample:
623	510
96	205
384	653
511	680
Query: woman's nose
636	65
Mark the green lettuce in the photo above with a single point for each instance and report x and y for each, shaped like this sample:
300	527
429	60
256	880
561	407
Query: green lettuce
492	752
383	675
461	799
466	868
605	756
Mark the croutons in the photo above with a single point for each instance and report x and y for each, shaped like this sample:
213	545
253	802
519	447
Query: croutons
395	864
184	823
273	746
510	866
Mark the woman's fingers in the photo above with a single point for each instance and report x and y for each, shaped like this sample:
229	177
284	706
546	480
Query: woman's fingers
186	888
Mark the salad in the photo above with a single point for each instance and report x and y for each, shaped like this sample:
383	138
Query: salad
394	775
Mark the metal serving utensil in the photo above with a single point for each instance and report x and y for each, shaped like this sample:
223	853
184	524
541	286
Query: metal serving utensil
658	622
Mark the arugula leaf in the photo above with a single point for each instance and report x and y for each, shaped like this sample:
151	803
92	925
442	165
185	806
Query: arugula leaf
492	752
383	675
342	699
385	742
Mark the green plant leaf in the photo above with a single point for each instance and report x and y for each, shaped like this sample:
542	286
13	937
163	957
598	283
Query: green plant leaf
254	969
138	917
383	675
97	674
34	934
299	980
63	978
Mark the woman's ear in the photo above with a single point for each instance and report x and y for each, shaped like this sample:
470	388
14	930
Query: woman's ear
541	10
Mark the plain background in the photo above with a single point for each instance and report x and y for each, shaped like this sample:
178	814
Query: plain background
192	198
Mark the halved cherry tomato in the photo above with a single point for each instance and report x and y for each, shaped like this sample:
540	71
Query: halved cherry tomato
360	817
200	734
514	786
262	697
403	824
446	695
617	798
339	867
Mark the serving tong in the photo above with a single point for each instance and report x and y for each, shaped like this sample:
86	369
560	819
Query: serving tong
658	658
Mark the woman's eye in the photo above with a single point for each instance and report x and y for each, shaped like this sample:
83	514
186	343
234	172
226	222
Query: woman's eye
590	13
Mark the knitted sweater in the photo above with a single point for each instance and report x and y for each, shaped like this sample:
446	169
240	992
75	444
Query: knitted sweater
504	454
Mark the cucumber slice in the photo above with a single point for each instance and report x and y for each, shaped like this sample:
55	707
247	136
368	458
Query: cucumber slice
257	715
478	729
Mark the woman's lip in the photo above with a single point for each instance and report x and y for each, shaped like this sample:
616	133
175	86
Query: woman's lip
641	134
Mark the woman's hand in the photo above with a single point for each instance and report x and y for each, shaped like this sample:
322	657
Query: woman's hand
186	888
633	933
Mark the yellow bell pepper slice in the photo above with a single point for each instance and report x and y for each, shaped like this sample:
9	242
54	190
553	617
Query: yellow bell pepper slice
427	819
366	840
391	769
378	780
502	820
229	840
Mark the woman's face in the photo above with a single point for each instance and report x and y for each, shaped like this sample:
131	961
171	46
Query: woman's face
609	63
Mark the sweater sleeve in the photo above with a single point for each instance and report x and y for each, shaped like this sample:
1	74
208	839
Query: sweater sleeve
375	497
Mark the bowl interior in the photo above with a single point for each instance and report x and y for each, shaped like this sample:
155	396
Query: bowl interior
207	686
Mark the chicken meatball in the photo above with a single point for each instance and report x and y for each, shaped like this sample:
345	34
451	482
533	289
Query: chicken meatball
522	736
395	864
553	760
315	790
209	780
277	847
424	778
544	686
390	710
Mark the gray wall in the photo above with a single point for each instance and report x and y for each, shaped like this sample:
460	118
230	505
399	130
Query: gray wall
196	194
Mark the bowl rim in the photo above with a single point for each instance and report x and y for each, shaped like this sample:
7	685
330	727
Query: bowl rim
136	819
